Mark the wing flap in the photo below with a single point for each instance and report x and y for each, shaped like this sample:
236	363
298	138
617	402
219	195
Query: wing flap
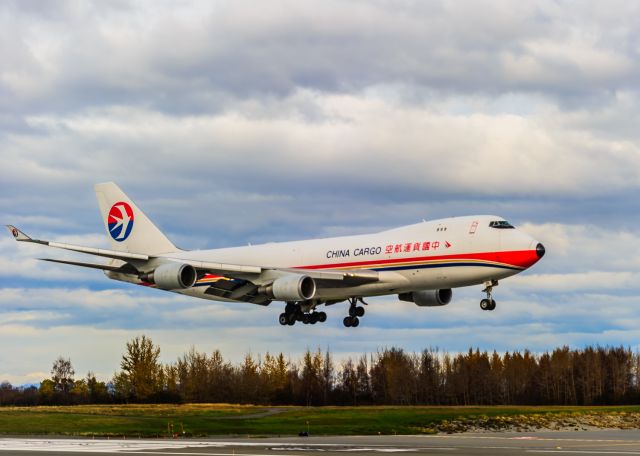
126	268
237	290
219	268
98	252
236	271
353	277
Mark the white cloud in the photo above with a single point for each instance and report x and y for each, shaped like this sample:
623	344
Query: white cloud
241	48
231	122
19	259
351	138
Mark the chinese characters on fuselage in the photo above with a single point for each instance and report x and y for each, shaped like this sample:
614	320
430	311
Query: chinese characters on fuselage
405	247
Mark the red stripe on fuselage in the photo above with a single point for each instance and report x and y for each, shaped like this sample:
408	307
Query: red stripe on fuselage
517	258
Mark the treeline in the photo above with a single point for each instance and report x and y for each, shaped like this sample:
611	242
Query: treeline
392	376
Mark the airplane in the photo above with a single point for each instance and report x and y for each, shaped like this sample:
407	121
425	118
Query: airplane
421	263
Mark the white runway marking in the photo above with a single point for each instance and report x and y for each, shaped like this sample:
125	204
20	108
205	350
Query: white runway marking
345	448
168	447
583	451
97	446
540	439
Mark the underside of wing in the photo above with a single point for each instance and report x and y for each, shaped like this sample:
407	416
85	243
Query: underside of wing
124	269
235	282
233	289
339	278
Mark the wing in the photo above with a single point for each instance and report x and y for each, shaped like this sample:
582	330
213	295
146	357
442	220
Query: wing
21	237
126	256
231	285
229	281
126	268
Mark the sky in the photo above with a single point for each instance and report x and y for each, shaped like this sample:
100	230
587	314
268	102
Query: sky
235	122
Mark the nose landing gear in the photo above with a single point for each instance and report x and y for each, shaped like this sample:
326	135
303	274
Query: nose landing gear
489	303
355	311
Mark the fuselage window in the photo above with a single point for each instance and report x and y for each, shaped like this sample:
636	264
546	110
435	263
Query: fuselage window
501	224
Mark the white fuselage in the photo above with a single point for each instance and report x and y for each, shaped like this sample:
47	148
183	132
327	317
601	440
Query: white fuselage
438	254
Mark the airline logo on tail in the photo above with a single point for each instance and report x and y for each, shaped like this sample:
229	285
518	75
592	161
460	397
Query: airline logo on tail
120	221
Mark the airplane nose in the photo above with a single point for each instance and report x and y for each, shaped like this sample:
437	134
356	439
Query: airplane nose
540	251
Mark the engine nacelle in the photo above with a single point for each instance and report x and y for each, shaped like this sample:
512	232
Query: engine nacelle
292	287
428	298
172	276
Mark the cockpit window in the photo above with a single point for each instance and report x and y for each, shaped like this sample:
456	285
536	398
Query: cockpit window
501	224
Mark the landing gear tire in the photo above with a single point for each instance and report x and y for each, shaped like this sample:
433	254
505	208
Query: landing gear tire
322	317
487	304
306	319
291	319
351	322
356	311
283	319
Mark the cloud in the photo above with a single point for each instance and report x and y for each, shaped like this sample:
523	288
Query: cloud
232	122
190	56
351	139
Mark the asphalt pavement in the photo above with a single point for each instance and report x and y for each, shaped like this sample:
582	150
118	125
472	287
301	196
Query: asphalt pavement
602	442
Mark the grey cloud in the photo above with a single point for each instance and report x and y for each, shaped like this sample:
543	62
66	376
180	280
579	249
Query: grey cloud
237	122
193	55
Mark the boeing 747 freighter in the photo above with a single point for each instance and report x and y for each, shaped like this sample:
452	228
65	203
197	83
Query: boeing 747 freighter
420	263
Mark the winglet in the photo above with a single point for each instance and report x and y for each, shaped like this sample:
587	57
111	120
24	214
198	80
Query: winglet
17	234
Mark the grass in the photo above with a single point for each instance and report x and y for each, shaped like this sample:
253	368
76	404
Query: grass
225	419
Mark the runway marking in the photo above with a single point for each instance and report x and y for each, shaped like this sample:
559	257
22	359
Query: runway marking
96	446
584	451
533	438
314	447
176	453
518	443
168	447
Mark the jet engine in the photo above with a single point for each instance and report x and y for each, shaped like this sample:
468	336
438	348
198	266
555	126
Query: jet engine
172	276
292	287
428	298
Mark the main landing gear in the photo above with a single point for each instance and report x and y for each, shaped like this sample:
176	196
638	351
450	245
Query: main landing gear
355	311
489	303
304	312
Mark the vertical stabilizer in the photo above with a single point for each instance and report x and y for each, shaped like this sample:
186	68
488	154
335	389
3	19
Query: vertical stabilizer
129	230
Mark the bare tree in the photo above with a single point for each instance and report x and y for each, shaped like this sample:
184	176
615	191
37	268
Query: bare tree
62	375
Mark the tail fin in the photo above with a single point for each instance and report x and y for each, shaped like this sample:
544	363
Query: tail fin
128	228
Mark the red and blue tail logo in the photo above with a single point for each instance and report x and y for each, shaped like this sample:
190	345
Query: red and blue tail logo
120	221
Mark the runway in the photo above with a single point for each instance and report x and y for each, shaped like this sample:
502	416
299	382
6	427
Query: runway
604	442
